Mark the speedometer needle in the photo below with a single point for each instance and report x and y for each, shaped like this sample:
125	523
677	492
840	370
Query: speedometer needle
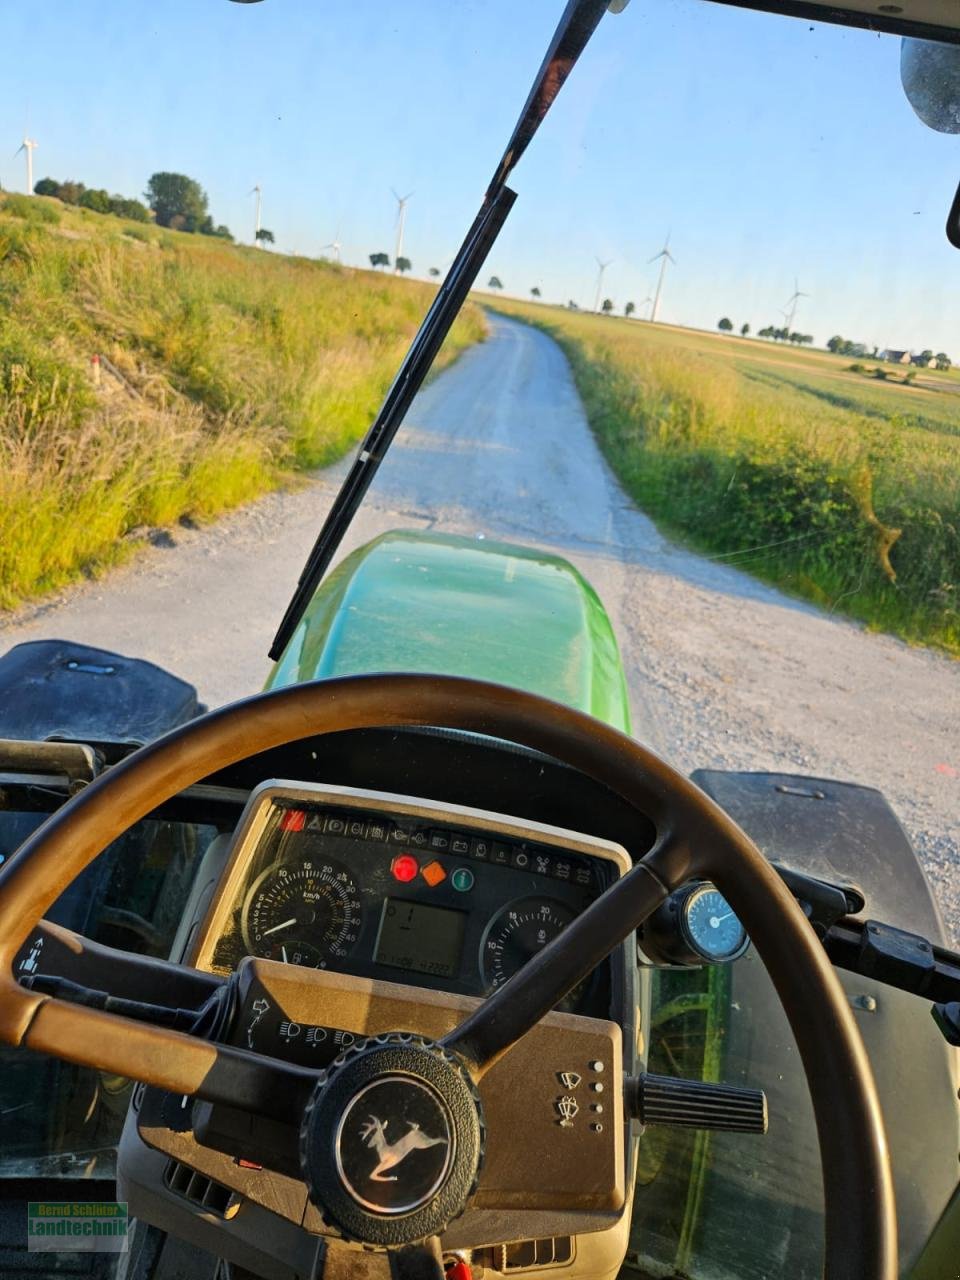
277	927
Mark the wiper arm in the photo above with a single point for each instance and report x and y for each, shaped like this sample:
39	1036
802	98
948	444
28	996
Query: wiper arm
578	23
436	325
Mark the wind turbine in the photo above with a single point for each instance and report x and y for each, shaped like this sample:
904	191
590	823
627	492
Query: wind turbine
792	304
335	245
664	255
401	215
258	192
602	268
28	146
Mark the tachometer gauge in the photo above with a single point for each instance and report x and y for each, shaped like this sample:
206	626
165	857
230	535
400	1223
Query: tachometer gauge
305	912
710	927
516	934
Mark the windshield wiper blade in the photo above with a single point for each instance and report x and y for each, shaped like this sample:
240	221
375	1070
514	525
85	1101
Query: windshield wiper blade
576	26
443	311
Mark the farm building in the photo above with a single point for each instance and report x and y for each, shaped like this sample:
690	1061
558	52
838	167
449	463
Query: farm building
897	357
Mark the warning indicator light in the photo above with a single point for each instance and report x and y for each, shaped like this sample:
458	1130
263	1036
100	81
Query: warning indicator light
405	867
433	873
293	820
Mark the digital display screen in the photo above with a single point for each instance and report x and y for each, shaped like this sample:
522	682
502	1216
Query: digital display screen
421	939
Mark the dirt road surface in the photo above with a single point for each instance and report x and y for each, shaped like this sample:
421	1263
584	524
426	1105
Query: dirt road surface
723	671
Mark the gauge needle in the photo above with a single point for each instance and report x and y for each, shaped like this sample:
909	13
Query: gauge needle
715	921
283	952
277	927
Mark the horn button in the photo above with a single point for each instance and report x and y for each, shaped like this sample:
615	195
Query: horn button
392	1140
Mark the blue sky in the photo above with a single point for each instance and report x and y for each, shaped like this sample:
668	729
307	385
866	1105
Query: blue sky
768	147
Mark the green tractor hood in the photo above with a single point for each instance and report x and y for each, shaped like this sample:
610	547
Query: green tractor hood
461	606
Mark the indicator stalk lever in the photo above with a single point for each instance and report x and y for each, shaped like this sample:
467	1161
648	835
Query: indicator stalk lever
695	1104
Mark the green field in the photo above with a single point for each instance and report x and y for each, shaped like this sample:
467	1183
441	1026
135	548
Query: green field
234	368
837	486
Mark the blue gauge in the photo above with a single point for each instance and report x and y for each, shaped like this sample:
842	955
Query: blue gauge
710	927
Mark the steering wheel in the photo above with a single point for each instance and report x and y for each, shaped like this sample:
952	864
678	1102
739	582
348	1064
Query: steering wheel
695	838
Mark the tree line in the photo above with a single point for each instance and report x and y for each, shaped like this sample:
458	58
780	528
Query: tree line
844	347
173	200
725	325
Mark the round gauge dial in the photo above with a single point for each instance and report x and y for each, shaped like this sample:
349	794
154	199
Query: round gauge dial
710	926
305	912
516	934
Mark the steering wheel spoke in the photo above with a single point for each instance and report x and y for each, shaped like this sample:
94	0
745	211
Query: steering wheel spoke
510	1012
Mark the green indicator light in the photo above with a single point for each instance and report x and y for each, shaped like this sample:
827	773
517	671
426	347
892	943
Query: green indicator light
462	879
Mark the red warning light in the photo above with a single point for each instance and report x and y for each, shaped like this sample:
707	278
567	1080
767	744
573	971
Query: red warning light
404	867
293	820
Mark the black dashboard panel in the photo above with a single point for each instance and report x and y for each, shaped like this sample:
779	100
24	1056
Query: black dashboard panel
382	886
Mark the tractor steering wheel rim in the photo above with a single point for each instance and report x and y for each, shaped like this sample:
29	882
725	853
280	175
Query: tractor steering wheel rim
695	839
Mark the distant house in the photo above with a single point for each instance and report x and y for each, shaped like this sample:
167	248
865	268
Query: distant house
897	357
929	362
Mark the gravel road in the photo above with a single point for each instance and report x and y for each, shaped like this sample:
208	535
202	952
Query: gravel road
723	671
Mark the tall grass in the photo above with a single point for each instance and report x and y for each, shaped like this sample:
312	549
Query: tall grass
783	464
234	368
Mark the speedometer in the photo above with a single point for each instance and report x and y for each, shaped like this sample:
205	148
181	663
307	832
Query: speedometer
304	912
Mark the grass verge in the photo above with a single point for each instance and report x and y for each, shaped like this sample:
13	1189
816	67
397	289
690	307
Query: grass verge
784	463
225	370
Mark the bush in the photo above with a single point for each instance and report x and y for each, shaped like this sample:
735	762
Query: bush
98	201
131	209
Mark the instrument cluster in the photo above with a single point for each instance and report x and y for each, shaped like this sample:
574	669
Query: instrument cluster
406	891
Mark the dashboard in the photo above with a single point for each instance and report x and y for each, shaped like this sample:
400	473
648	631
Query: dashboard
384	887
424	906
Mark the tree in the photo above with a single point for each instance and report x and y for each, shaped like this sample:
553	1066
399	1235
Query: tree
607	306
494	283
572	306
46	187
629	309
98	201
266	236
765	332
836	345
535	292
379	260
177	201
926	354
433	271
725	325
744	330
403	264
943	360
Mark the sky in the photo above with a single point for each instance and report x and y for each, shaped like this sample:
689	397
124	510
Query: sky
769	149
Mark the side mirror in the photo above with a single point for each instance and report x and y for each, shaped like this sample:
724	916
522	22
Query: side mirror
930	75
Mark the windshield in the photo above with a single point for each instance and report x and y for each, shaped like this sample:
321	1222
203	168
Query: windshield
710	361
